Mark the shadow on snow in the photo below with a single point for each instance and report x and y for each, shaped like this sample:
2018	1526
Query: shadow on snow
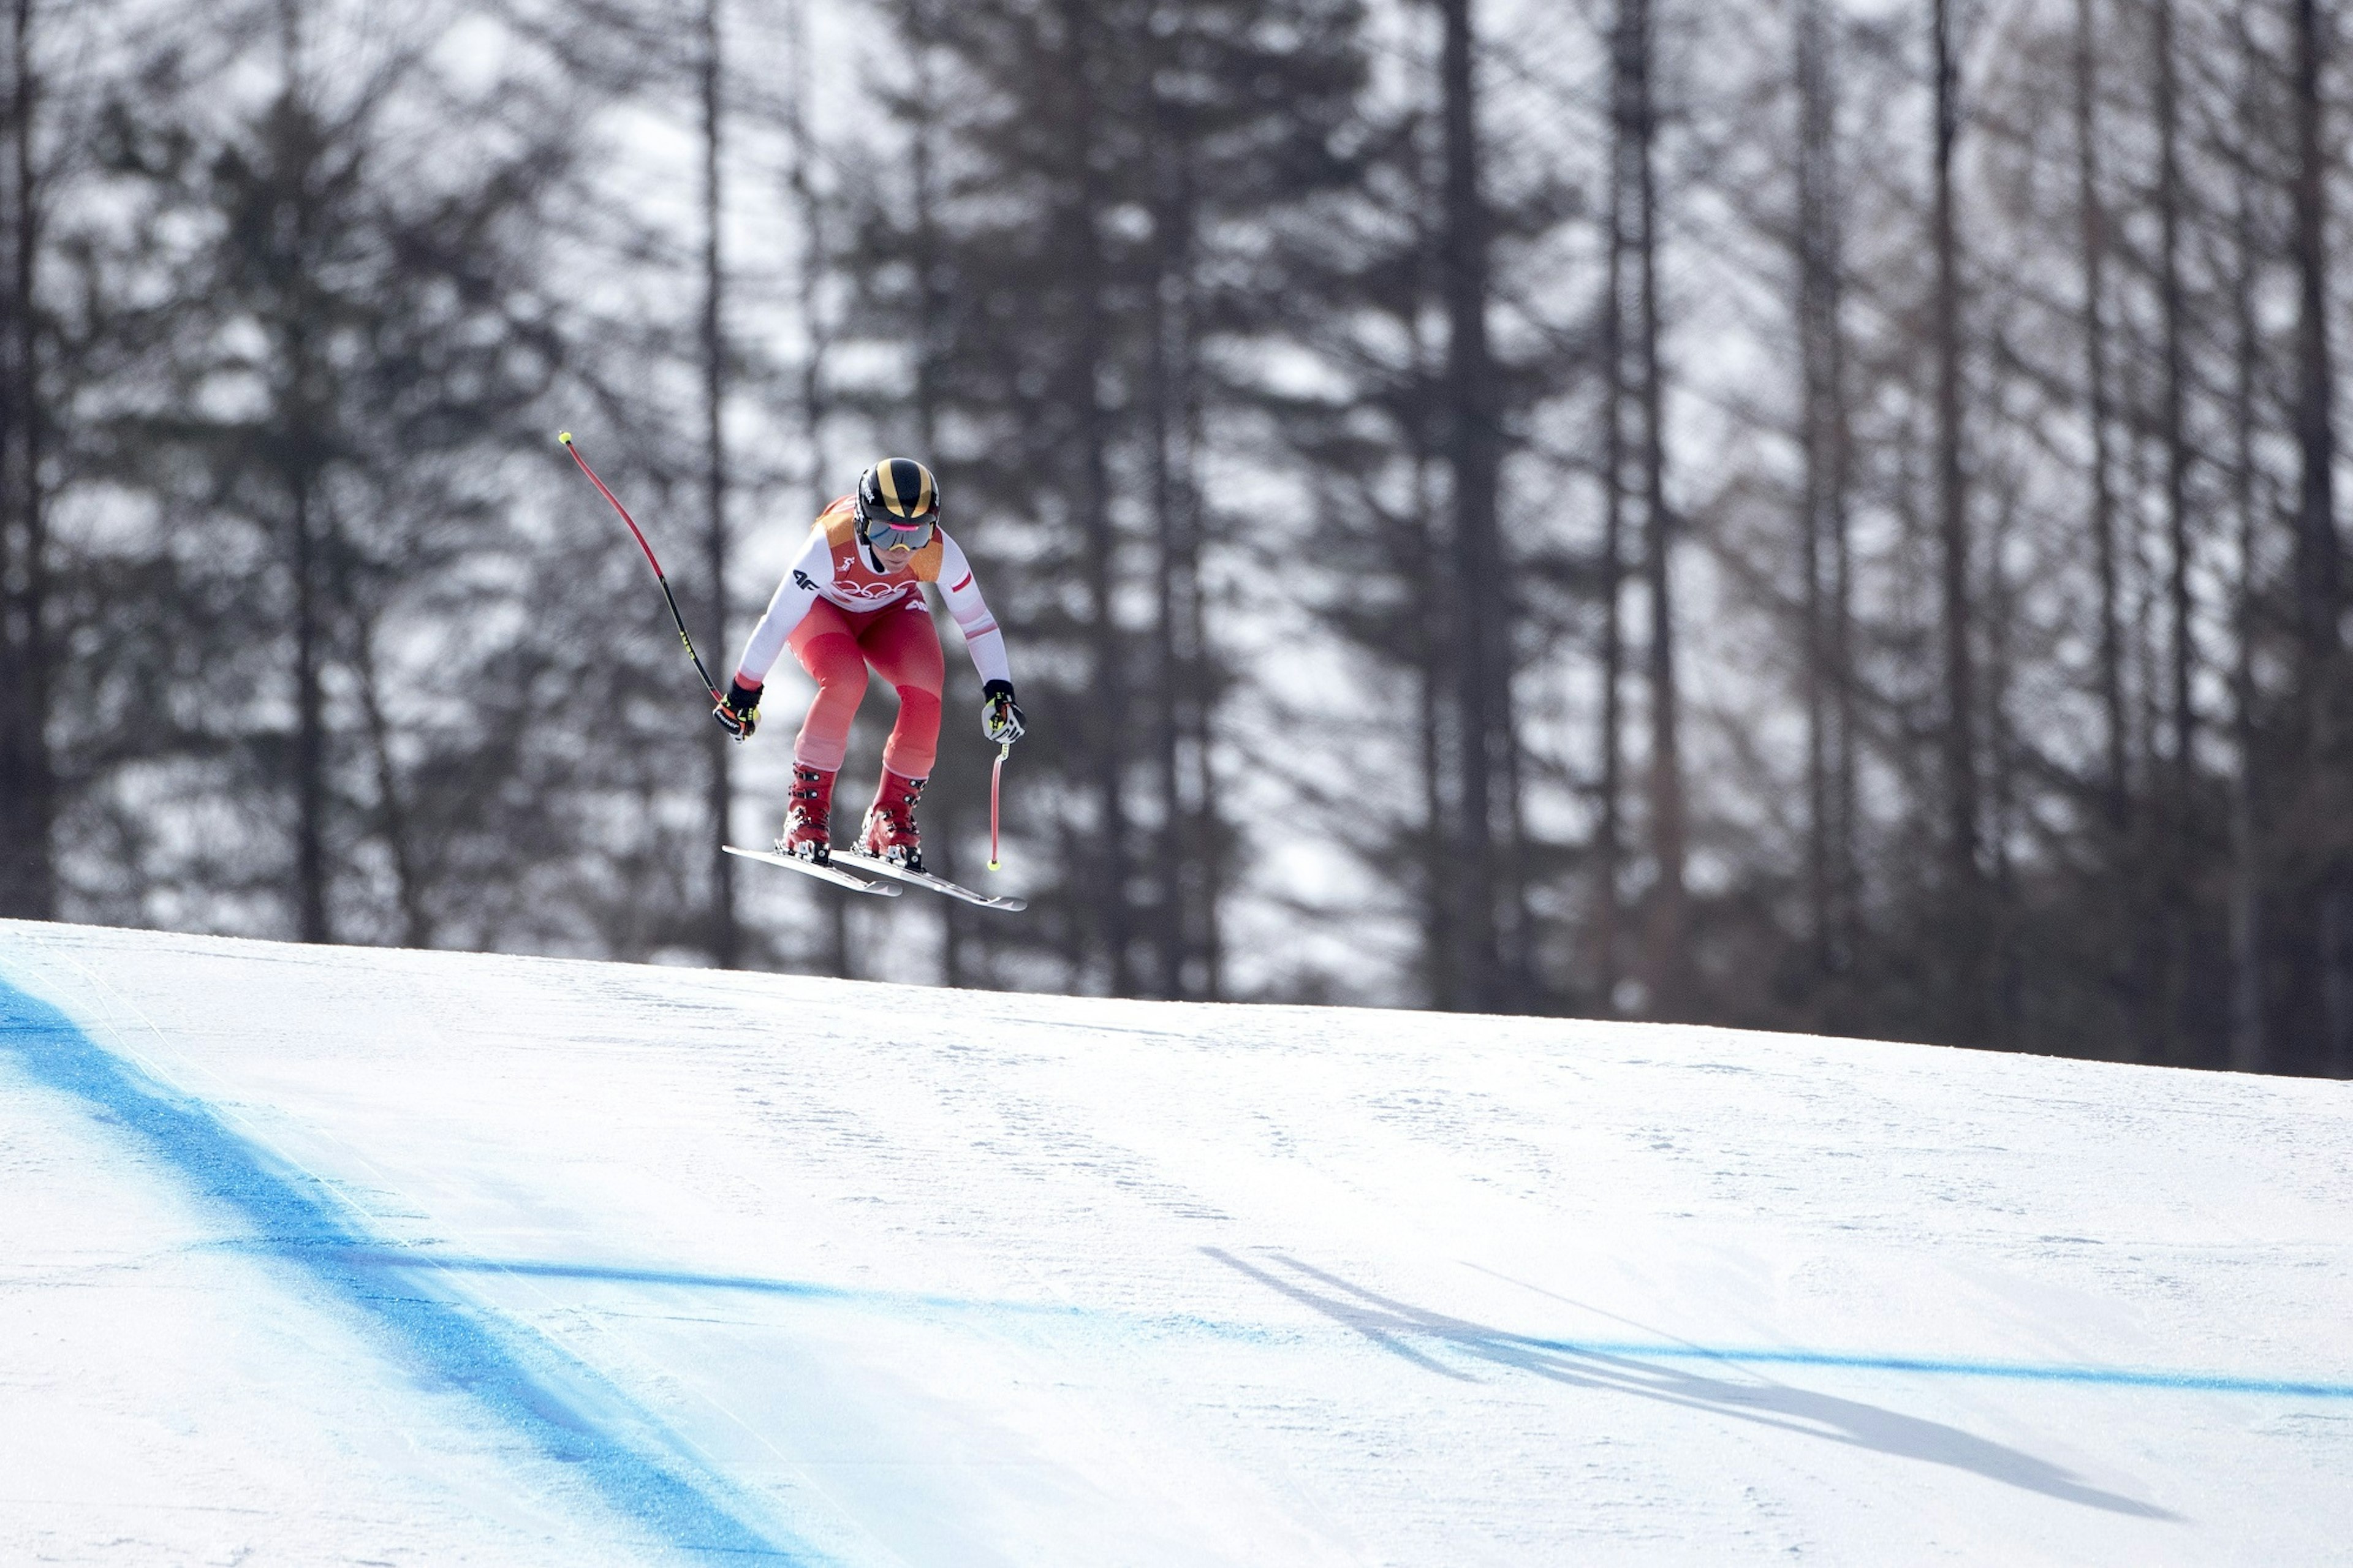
1422	1337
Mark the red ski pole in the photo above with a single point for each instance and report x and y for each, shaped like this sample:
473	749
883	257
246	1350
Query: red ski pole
565	438
996	783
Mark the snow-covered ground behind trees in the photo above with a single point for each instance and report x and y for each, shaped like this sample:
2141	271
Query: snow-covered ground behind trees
315	1255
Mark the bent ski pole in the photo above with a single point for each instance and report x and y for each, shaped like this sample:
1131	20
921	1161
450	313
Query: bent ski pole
996	781
564	437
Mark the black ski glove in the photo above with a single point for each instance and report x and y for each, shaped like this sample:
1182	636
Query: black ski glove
1000	716
739	712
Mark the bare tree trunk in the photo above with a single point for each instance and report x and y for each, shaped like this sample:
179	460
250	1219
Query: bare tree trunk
392	813
808	207
393	823
2248	1052
1814	680
1168	934
2179	827
2145	590
1966	911
2318	570
29	785
1829	850
1665	937
726	935
1846	858
1108	680
1206	859
299	396
1181	704
1846	848
1196	693
2093	218
2177	455
1472	456
1433	617
312	874
1432	624
2003	992
1522	989
1109	677
2114	797
1668	934
1609	832
915	20
2319	592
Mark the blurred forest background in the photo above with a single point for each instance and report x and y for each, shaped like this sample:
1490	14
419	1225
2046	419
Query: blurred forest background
1810	514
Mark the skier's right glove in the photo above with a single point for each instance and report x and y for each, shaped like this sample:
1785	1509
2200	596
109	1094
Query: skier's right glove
1000	716
739	712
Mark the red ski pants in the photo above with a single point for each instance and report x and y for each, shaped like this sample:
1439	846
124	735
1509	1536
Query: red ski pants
835	646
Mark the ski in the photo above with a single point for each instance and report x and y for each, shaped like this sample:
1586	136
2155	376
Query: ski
925	879
839	879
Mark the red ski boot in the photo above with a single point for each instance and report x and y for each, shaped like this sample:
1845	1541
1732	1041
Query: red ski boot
805	836
890	833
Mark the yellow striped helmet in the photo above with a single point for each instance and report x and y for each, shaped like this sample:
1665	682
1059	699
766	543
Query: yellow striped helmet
898	503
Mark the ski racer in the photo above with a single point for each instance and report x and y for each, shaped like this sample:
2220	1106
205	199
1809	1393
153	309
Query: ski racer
855	598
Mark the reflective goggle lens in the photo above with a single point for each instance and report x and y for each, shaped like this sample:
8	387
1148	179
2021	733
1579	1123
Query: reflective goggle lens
885	535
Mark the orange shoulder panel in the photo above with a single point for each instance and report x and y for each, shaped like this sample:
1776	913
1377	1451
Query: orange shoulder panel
840	523
925	563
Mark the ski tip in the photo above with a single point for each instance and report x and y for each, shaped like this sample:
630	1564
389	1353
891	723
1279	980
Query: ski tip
564	437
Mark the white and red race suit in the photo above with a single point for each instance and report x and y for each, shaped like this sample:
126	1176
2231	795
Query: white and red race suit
830	609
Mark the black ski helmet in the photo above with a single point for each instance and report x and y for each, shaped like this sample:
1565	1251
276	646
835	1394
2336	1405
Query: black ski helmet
897	492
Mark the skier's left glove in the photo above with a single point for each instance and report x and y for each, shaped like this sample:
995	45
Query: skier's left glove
739	712
1000	716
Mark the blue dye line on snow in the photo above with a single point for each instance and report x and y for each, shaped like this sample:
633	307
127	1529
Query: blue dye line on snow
905	1301
1445	1329
294	1218
799	1290
908	1303
2017	1372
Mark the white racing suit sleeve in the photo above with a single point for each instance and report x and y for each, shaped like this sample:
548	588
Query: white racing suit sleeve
786	607
981	638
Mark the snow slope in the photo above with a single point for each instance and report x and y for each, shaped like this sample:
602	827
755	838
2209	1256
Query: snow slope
315	1255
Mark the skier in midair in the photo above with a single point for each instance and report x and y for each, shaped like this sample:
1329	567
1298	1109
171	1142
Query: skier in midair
854	598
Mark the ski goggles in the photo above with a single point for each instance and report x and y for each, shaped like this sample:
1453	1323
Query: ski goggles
886	535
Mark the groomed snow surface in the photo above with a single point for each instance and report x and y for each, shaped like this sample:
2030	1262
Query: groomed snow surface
316	1256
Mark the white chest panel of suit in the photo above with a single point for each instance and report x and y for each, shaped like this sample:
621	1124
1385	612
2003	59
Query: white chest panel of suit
835	565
